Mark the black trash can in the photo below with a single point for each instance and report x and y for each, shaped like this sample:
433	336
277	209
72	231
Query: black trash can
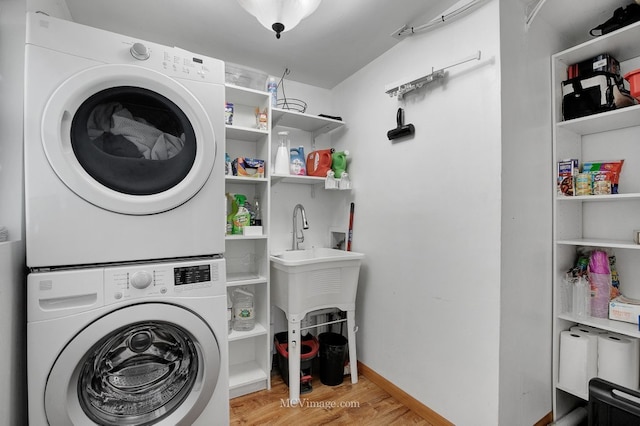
333	354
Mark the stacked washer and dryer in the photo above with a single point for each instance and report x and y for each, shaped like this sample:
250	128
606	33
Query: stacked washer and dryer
124	184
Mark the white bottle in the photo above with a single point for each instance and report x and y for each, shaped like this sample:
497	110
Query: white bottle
281	163
272	88
244	314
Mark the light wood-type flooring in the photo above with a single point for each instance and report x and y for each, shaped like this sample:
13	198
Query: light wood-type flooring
346	404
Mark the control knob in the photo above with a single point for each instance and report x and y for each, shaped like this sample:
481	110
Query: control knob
141	279
140	51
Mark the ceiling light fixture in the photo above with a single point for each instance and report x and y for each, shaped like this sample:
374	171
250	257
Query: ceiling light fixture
280	15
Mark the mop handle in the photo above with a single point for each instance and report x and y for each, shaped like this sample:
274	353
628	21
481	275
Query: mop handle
350	236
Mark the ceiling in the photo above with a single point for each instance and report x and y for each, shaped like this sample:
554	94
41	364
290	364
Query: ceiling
338	39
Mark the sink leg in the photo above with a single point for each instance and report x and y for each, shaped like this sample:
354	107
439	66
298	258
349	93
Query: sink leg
351	335
294	361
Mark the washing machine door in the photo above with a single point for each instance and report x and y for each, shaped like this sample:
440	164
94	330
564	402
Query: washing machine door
141	365
128	139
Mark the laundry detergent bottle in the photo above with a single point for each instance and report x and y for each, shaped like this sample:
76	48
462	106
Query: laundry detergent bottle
242	217
298	167
339	163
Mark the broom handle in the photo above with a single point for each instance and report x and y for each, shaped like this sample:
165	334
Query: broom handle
350	235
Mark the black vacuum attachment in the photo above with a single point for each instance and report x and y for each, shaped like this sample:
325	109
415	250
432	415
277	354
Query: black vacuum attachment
402	129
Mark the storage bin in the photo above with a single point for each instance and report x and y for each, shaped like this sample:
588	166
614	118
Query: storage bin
245	77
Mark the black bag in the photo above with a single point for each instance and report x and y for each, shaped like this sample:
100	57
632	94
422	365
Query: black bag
621	18
599	92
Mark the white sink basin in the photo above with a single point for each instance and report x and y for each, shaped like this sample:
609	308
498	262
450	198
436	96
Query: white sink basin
313	255
307	280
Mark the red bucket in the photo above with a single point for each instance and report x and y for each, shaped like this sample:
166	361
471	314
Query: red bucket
633	78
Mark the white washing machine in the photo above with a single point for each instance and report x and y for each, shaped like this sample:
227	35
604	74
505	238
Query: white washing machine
124	148
135	344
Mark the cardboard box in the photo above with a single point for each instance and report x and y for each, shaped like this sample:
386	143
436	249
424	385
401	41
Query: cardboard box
624	309
248	167
566	173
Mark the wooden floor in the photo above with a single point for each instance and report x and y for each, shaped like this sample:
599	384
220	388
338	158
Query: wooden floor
361	404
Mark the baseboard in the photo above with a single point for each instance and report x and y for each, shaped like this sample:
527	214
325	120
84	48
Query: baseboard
545	420
410	402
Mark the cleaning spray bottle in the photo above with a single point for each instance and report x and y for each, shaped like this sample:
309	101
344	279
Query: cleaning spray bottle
231	210
339	163
242	217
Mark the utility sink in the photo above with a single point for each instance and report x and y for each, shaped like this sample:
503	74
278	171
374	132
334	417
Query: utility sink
314	256
306	280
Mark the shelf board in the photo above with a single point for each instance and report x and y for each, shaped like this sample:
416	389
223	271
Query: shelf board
572	392
604	121
597	242
621	44
245	96
245	374
596	198
244	278
242	133
245	237
309	123
258	330
620	327
245	180
307	180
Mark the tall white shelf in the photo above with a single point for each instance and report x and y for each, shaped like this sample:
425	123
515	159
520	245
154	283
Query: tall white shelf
248	256
595	221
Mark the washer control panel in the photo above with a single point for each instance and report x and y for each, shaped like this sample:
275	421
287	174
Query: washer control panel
187	278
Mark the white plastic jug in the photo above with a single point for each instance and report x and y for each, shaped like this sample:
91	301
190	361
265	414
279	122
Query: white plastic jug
281	163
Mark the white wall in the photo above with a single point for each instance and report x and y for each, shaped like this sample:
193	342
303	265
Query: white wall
12	27
428	214
525	325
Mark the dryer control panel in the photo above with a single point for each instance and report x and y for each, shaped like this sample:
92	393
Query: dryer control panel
195	278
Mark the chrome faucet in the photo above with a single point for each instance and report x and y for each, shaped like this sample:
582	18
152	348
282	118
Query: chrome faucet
298	239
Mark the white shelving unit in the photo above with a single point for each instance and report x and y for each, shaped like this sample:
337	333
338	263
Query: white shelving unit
247	256
596	221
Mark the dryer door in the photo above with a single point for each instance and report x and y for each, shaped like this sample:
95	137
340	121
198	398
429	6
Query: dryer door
128	139
144	364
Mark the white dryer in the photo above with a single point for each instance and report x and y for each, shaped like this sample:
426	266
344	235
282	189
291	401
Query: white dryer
124	148
135	344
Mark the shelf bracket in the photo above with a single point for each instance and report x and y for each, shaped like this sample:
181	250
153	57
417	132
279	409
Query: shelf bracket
399	90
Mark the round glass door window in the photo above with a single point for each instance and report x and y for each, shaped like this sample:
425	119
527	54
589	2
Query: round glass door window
133	140
138	374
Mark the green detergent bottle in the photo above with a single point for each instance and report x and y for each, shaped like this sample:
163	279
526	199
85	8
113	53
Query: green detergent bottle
339	163
242	217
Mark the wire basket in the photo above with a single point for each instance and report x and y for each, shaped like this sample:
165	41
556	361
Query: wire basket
292	104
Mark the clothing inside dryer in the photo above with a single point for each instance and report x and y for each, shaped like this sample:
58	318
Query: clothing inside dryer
138	374
123	131
133	140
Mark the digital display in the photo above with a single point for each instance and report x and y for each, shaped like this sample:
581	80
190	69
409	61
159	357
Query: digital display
192	274
197	60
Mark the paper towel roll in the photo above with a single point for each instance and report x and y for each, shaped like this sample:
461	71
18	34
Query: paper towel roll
619	359
578	361
588	329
